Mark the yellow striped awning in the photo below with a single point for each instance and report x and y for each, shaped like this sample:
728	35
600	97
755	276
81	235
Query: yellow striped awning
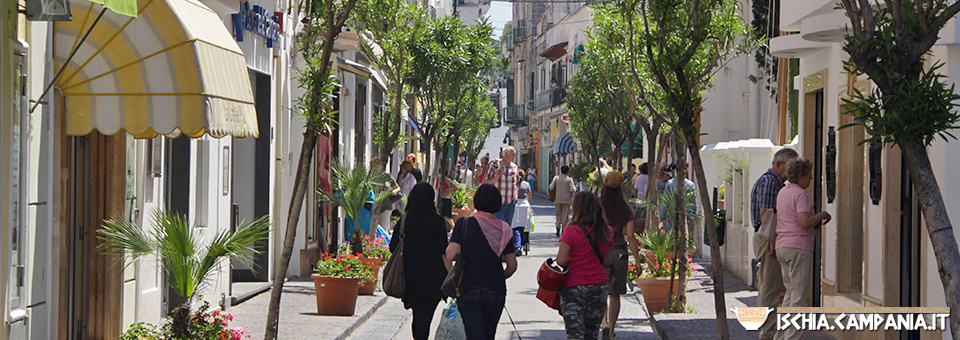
174	69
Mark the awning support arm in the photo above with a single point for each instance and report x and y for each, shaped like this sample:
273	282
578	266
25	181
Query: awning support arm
69	58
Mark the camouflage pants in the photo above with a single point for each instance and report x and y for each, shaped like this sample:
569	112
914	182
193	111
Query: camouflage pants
583	307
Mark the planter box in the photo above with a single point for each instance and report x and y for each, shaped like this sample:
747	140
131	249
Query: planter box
369	287
336	295
654	292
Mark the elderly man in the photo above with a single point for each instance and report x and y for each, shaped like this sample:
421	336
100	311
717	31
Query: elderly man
505	175
762	198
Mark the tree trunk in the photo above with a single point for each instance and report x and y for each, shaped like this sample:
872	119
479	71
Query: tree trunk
938	225
716	264
680	225
296	205
653	193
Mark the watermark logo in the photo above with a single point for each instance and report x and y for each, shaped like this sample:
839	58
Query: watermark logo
752	317
846	318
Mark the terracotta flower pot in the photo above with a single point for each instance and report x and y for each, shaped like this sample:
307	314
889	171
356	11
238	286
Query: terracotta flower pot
720	204
368	287
463	212
654	292
336	295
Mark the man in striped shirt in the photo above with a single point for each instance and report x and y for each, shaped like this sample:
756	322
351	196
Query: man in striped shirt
505	175
763	197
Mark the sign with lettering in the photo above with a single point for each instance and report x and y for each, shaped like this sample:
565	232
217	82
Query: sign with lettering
257	21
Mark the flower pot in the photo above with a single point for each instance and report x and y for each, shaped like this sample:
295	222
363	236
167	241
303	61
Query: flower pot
463	212
654	291
719	204
336	295
368	287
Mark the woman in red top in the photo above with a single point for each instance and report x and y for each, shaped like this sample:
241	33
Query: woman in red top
583	299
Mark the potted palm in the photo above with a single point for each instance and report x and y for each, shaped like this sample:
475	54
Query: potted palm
654	281
337	282
187	259
353	188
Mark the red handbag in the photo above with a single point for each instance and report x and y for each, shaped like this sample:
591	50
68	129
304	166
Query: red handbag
551	278
549	297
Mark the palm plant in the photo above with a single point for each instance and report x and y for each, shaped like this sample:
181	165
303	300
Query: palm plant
352	189
186	261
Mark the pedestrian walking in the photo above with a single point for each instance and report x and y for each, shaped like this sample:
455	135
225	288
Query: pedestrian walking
763	199
425	240
482	170
505	175
620	217
640	190
563	185
483	240
532	176
690	201
583	299
415	170
796	230
521	217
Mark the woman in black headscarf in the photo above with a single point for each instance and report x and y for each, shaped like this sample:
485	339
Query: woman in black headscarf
425	241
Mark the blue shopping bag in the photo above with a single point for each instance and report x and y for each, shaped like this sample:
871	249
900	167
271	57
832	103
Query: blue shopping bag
451	324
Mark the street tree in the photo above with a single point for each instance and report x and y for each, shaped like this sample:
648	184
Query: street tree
479	115
617	36
911	107
587	105
448	58
387	27
323	21
685	42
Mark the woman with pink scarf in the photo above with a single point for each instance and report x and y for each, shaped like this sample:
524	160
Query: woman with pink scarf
483	241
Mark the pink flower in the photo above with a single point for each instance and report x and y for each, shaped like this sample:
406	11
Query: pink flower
238	333
230	316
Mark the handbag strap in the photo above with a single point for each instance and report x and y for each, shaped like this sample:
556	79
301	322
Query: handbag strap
593	244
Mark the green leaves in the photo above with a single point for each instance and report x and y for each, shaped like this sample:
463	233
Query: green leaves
910	103
187	263
353	186
917	110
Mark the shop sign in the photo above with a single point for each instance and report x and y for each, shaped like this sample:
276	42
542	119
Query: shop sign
565	118
257	21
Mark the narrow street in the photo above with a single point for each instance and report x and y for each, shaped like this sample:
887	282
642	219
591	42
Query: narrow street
533	319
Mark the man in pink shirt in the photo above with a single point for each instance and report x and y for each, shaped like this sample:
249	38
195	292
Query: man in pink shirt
796	229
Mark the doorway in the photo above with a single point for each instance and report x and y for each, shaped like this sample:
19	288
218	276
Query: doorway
92	282
249	202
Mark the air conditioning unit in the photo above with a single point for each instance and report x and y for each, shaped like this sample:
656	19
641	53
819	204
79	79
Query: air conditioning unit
48	10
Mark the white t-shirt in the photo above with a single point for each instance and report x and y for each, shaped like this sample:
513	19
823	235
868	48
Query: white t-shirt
407	183
641	186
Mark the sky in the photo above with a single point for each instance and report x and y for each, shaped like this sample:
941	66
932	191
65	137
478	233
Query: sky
501	12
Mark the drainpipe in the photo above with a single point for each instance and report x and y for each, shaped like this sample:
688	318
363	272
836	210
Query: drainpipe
754	108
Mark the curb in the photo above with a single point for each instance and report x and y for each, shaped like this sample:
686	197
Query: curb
653	321
362	318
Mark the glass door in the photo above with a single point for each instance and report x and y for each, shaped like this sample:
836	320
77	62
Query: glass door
17	313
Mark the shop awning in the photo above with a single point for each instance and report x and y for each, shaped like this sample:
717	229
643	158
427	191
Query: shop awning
174	69
361	70
413	123
555	52
637	143
564	145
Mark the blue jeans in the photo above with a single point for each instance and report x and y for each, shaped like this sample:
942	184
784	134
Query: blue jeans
481	308
506	212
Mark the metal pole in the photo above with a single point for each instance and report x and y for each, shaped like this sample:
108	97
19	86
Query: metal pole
69	58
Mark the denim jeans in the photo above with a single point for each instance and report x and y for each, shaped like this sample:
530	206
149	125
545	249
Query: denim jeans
506	212
481	308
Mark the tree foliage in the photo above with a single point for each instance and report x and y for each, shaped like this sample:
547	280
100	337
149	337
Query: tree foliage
910	107
448	58
387	27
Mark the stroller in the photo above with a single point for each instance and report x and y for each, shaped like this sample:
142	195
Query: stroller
523	225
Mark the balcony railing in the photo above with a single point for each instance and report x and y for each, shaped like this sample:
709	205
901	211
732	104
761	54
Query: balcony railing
517	115
554	96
